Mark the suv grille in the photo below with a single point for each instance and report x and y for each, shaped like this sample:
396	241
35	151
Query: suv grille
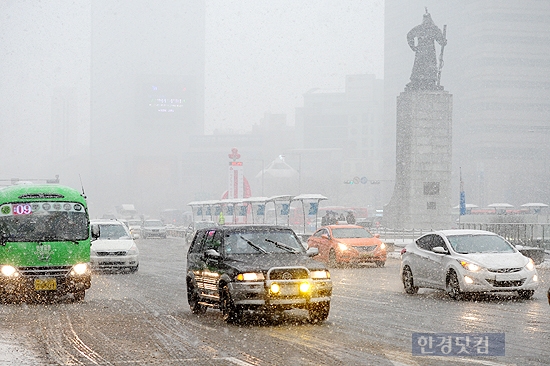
56	271
288	273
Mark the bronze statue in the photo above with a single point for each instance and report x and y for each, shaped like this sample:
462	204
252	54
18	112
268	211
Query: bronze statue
426	73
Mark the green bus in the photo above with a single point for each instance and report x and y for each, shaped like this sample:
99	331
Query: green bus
44	242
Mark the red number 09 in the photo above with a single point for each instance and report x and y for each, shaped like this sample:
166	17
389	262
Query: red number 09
22	209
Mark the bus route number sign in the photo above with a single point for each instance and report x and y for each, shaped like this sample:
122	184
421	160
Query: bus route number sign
22	209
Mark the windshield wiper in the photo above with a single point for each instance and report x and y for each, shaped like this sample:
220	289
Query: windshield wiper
282	246
255	246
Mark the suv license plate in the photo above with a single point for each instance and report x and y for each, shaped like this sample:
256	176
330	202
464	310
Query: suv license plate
290	290
45	284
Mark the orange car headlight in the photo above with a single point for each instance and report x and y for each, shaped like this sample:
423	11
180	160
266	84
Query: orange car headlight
342	246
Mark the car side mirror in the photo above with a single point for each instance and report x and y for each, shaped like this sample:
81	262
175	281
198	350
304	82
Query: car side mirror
324	236
439	250
96	232
312	252
212	254
377	235
519	247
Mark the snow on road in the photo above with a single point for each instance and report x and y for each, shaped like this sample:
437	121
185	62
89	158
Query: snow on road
13	353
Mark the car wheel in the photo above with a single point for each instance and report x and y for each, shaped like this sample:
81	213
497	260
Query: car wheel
453	286
526	294
79	295
134	269
408	281
319	312
380	263
193	300
230	312
332	261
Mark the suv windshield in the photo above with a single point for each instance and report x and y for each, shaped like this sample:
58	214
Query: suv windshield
466	244
262	242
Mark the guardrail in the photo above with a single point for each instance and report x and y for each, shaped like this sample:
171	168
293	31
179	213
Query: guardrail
533	235
535	238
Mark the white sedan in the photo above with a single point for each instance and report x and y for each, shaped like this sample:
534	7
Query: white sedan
467	261
115	249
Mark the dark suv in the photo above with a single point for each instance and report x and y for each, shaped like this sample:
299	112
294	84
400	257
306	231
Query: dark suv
258	268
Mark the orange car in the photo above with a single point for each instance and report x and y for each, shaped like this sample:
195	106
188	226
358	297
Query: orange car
349	244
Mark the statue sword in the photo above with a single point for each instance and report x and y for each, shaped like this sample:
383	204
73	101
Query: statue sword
441	56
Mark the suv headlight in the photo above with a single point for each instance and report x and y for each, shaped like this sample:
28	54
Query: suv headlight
320	275
472	267
250	276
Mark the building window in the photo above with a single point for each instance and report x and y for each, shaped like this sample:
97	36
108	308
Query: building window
431	206
431	188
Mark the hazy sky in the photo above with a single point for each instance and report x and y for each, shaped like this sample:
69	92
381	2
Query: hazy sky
261	56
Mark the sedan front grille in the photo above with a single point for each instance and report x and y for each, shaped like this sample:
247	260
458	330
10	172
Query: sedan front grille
506	283
105	254
504	270
366	248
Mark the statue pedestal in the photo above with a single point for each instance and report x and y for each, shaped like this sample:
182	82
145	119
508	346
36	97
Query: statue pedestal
422	192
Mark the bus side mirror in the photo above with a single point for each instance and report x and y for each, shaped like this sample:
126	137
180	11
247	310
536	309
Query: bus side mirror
4	236
95	232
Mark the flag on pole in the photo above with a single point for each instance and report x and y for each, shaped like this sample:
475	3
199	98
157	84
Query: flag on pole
462	196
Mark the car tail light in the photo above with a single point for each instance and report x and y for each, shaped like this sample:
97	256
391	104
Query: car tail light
403	251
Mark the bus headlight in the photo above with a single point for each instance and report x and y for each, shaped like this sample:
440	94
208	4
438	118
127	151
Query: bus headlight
80	269
9	271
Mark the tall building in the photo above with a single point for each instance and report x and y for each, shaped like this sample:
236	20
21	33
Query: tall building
496	64
147	100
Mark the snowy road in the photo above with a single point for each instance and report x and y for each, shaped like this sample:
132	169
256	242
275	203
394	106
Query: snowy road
143	319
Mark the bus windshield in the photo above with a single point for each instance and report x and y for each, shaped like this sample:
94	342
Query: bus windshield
32	222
